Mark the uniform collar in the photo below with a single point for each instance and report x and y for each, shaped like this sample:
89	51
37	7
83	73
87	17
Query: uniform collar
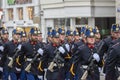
54	45
33	42
91	46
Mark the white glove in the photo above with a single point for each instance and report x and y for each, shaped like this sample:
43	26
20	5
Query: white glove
67	46
19	46
96	57
40	51
100	69
1	48
61	49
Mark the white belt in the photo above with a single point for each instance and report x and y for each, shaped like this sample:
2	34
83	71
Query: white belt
18	69
29	59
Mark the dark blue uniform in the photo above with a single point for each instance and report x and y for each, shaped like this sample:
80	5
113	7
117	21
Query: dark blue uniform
112	62
1	59
72	71
84	54
9	49
29	50
105	43
58	71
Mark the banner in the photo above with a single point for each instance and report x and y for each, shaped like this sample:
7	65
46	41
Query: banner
11	2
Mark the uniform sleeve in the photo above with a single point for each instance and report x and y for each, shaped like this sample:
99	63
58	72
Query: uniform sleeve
5	49
110	64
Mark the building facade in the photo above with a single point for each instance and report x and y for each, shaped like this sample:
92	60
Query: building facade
47	14
0	12
21	13
76	13
118	11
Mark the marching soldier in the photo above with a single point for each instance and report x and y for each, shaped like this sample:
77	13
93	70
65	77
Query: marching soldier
80	41
10	49
33	53
85	55
117	31
20	57
106	43
43	62
4	35
55	59
77	42
4	39
113	62
1	59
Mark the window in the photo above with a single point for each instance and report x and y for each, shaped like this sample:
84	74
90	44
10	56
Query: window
10	14
59	22
30	13
67	21
81	21
20	13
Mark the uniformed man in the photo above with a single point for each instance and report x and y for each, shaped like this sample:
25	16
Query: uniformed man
55	58
10	49
106	43
3	40
113	62
83	55
5	35
78	42
116	28
20	58
43	62
1	59
32	52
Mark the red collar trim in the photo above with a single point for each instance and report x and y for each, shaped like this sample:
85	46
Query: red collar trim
91	46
